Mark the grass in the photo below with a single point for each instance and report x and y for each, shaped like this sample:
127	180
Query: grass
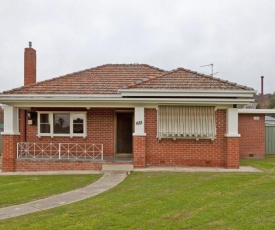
171	201
21	189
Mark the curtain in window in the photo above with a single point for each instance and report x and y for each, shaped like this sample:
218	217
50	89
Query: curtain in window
186	121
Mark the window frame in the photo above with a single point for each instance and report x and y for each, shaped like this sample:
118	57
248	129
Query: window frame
51	122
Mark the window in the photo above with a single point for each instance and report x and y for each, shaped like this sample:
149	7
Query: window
196	122
78	123
62	124
45	123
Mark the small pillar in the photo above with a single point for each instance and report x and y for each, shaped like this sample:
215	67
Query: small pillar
9	152
232	152
10	138
139	151
232	144
139	137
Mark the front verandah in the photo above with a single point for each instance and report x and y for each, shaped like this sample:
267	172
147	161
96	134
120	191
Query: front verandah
84	162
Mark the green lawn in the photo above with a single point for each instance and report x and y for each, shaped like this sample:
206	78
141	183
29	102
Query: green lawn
21	189
171	201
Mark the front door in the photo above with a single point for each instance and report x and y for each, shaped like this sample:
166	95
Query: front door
124	133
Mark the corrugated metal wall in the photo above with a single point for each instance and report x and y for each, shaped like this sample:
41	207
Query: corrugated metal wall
270	139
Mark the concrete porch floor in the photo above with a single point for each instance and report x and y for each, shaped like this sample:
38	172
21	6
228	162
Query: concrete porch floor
247	169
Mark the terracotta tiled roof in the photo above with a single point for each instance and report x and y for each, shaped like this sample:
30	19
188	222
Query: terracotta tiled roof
105	79
185	79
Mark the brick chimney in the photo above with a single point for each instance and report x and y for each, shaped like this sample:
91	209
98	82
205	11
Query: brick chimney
29	65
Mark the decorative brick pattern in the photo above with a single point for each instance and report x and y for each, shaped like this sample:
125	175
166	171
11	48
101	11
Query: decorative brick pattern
9	152
184	152
232	152
139	151
252	140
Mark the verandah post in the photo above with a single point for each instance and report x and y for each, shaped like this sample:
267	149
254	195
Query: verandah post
10	138
139	137
232	139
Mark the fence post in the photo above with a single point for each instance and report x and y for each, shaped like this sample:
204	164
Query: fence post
102	152
17	149
59	151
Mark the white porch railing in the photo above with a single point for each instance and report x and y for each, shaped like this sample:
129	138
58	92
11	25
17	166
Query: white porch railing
30	150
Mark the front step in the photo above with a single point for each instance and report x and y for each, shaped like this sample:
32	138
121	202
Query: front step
117	168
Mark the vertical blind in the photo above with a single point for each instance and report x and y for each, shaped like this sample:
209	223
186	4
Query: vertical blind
186	121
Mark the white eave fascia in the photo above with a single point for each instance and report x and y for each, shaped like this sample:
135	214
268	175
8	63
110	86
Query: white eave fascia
256	111
39	100
185	93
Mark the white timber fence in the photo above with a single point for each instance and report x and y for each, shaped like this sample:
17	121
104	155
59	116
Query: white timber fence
31	150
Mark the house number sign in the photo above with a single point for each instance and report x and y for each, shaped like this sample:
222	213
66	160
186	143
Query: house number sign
139	123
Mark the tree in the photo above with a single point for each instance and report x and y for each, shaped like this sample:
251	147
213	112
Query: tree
1	115
271	105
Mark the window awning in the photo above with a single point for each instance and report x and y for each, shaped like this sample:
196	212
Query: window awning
186	122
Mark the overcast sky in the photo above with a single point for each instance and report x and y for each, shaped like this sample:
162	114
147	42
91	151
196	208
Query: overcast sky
237	36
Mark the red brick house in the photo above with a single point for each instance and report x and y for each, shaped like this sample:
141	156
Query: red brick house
150	116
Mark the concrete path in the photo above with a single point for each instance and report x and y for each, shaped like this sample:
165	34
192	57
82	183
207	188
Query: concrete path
103	184
247	169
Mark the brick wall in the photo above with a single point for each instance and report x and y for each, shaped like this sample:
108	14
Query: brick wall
100	130
57	165
9	152
252	141
232	152
22	125
182	152
139	151
28	165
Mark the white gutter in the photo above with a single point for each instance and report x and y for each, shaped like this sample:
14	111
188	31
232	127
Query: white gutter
50	102
256	111
218	97
185	93
80	99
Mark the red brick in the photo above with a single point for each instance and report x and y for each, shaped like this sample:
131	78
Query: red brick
9	150
252	141
29	66
184	152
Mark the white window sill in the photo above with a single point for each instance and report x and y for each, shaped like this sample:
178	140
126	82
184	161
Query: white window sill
53	136
188	138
